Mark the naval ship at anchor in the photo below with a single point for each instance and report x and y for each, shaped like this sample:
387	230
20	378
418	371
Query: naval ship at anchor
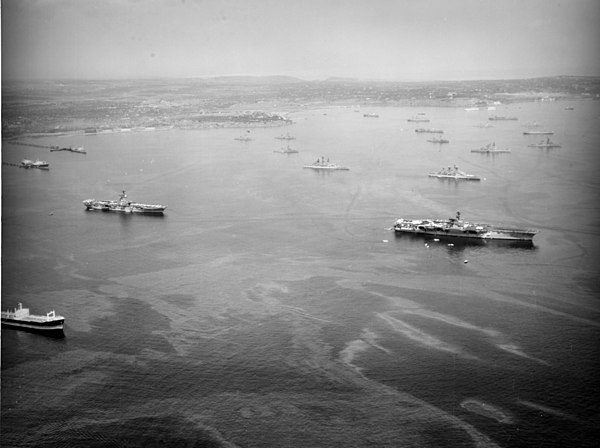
456	227
123	205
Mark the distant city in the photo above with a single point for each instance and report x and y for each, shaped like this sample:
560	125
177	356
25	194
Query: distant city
91	107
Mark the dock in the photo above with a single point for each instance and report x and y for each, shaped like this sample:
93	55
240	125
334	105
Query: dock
20	165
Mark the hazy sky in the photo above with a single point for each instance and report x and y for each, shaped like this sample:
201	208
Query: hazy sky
402	40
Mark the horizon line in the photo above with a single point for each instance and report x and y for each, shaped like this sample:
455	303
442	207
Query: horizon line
253	76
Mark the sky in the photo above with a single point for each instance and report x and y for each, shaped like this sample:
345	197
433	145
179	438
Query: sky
401	40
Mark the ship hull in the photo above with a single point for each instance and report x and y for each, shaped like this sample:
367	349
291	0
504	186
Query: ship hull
443	176
328	168
30	325
126	210
496	151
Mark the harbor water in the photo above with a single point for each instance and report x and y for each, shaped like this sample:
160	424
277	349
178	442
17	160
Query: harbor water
272	306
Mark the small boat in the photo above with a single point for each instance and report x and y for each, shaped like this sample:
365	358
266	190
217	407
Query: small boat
371	115
286	137
429	130
538	133
545	144
456	227
322	164
501	118
243	138
124	206
452	172
20	318
287	150
438	140
490	148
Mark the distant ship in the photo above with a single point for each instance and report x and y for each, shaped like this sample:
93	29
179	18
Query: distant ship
452	172
124	206
243	138
456	227
500	118
438	140
420	118
429	130
471	109
484	125
490	148
41	164
538	133
371	115
545	144
20	318
287	150
286	137
322	164
77	149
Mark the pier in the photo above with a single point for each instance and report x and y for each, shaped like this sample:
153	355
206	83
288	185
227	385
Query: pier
78	149
20	165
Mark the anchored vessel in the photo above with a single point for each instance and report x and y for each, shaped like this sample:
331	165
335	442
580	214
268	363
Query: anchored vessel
286	137
452	172
438	140
456	227
124	206
429	130
545	144
288	150
21	319
490	148
419	118
501	118
322	164
538	133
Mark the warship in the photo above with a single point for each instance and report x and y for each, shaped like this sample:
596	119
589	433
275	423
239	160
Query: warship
287	150
545	144
490	148
438	140
456	227
322	164
124	206
429	130
452	172
286	137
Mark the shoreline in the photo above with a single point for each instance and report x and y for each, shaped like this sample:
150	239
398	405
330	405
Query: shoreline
236	121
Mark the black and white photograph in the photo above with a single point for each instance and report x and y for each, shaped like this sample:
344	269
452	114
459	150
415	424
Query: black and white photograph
300	223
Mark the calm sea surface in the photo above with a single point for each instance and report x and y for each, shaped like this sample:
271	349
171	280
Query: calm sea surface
273	307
